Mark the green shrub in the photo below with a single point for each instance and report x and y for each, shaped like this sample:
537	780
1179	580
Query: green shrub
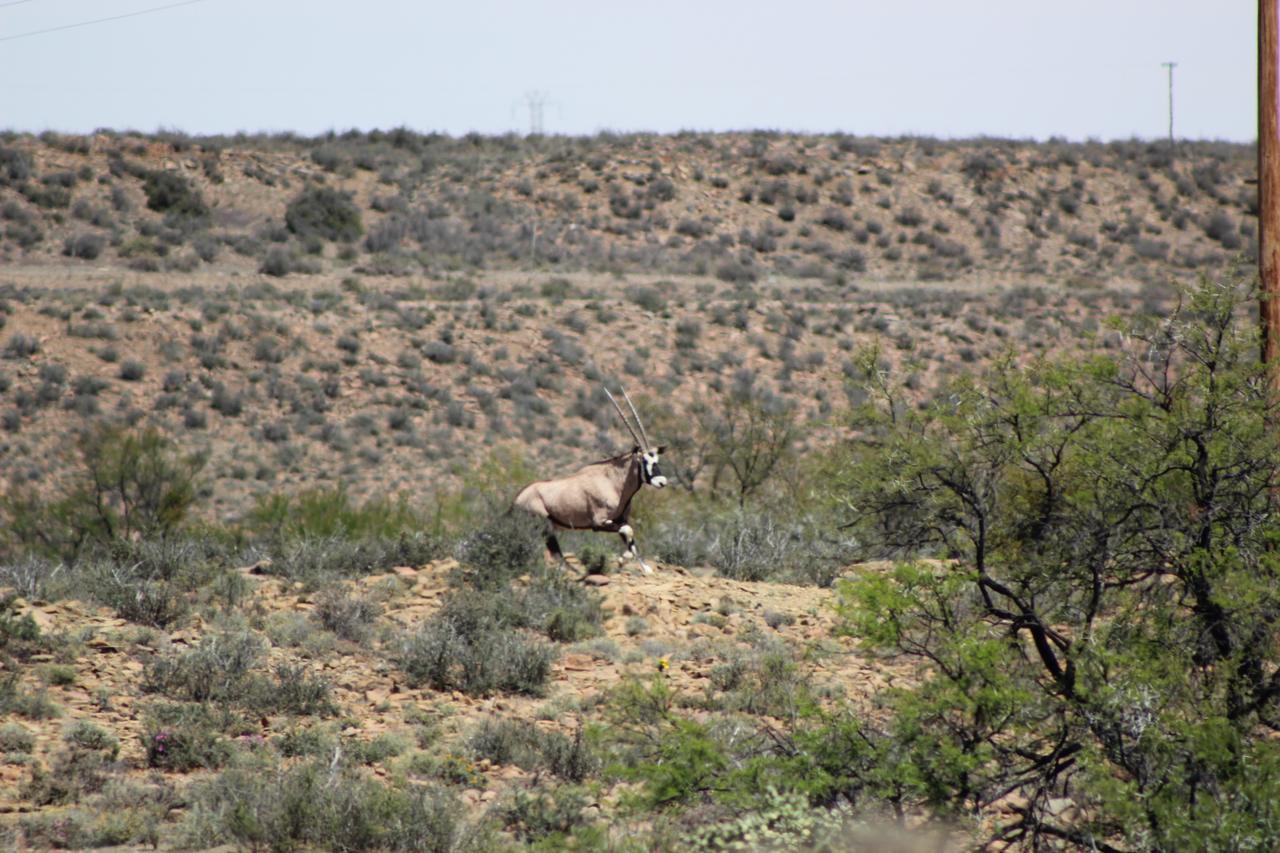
736	272
171	193
524	744
764	681
466	648
136	592
58	675
326	213
559	606
50	196
14	700
503	549
19	635
15	166
1220	227
21	346
378	750
85	246
319	513
312	742
278	262
314	805
79	769
85	735
508	741
16	739
546	818
182	738
351	617
293	691
321	559
647	298
73	774
133	483
218	669
1140	655
132	370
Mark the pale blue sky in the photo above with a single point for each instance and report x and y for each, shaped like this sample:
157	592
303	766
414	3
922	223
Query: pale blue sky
1019	68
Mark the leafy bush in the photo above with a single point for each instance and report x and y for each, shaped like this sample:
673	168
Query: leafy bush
171	193
764	681
349	616
331	512
313	560
216	670
278	262
183	738
19	635
293	691
21	346
315	805
326	213
503	549
85	735
132	370
518	742
16	739
781	821
548	818
648	298
74	773
1220	227
466	647
15	166
129	485
135	593
1110	582
85	246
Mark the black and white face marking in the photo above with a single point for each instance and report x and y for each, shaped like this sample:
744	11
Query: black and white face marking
649	468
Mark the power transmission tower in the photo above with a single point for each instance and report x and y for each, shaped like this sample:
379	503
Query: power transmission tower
1170	66
535	101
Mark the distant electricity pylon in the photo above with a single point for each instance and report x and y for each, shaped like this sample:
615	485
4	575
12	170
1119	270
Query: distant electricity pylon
1170	66
535	102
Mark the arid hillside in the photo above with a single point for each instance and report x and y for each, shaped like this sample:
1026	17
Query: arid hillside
736	207
385	310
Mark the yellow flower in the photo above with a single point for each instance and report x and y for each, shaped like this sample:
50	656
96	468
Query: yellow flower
663	664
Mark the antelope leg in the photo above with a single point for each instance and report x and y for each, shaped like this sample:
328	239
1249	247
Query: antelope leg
628	536
554	551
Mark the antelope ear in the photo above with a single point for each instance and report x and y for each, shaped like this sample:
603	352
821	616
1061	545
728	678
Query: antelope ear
635	448
662	448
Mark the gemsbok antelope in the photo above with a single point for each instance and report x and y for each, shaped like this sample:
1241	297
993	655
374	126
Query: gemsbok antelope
598	497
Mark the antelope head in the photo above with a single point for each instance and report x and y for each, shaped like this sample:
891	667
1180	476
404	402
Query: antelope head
649	454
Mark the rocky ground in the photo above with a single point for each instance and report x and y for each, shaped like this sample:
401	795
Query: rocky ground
674	624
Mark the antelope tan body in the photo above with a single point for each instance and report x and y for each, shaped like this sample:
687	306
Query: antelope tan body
598	496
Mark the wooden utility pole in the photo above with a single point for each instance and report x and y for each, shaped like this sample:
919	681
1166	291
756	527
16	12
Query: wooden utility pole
1269	185
1171	66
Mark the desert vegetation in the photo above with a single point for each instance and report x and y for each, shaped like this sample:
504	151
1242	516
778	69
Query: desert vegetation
967	543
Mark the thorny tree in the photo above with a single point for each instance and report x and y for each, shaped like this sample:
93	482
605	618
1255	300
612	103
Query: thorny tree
1100	621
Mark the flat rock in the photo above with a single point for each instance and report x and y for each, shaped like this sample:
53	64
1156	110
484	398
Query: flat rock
579	663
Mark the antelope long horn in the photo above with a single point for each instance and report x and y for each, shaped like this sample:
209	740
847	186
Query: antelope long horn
625	422
639	422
